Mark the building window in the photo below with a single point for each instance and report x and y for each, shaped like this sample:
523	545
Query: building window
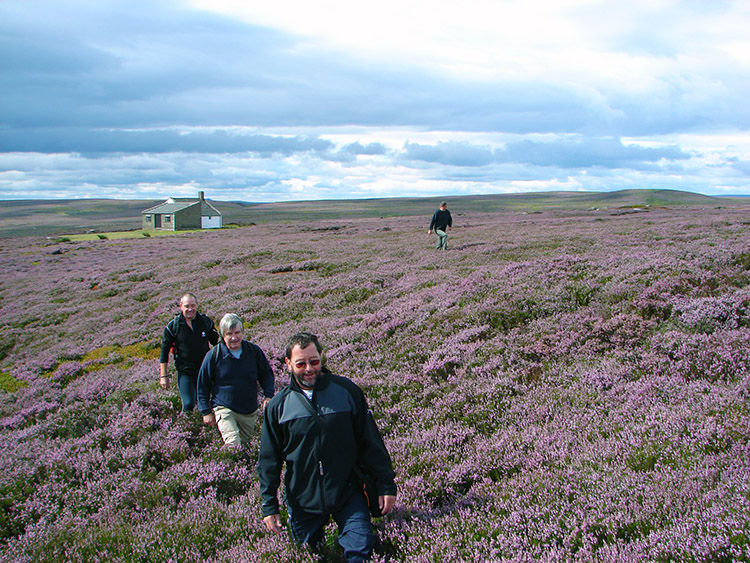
148	218
167	218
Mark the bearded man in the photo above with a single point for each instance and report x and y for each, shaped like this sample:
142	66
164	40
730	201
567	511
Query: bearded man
321	428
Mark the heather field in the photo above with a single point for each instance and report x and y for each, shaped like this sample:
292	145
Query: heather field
556	387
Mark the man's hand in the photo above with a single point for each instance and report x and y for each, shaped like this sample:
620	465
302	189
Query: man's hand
164	378
263	404
386	503
429	232
209	419
273	523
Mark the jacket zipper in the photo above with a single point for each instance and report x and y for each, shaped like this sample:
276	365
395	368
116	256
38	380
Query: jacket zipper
322	488
323	499
321	472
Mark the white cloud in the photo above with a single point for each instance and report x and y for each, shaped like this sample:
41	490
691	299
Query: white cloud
277	100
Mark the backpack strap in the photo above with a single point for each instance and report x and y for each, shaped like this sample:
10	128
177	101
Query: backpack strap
174	324
205	325
253	351
214	359
173	327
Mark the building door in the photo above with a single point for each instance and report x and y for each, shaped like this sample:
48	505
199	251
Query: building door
157	221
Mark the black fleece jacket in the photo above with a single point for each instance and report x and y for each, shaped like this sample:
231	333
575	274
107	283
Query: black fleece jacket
320	451
190	346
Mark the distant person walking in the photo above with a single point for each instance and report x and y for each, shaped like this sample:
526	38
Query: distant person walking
228	383
188	336
441	222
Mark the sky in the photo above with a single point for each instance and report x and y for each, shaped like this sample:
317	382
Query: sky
285	100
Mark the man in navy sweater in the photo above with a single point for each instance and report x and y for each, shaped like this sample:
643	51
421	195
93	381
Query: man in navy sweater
228	383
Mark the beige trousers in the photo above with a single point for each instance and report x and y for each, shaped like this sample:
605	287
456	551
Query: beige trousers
235	428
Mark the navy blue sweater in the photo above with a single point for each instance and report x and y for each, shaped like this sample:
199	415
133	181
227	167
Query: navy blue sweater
441	220
226	381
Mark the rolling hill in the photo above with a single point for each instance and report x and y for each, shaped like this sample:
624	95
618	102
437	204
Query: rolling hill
57	217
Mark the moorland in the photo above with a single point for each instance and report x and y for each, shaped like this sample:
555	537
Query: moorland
61	217
568	382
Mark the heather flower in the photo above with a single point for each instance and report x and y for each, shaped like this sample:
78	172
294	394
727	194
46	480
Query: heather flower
559	387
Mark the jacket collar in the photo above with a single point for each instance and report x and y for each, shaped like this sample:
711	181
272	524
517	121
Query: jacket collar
224	351
181	318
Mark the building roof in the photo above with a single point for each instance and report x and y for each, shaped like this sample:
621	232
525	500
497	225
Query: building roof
169	207
208	209
175	204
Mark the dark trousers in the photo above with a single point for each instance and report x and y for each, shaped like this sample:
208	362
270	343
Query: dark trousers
188	386
356	535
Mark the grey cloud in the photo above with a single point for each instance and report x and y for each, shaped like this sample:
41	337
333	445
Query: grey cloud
350	152
119	64
131	64
98	141
223	176
587	152
565	153
451	152
742	166
149	93
370	149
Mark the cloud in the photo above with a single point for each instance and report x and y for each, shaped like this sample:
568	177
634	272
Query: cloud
588	152
562	152
130	65
99	141
263	100
451	152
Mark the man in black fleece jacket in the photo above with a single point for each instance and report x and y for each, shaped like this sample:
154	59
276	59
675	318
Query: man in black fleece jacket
188	336
321	428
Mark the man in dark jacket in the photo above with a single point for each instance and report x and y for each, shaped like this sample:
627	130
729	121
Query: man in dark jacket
189	336
320	426
441	222
228	383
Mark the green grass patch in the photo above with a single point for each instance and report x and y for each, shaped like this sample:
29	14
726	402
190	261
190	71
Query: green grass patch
140	277
216	281
115	354
122	235
10	384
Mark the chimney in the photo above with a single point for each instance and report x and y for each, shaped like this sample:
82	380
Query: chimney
200	196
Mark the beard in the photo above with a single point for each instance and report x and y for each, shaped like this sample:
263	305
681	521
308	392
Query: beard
306	381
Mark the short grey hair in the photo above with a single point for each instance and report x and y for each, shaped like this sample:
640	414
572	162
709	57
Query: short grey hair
228	322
